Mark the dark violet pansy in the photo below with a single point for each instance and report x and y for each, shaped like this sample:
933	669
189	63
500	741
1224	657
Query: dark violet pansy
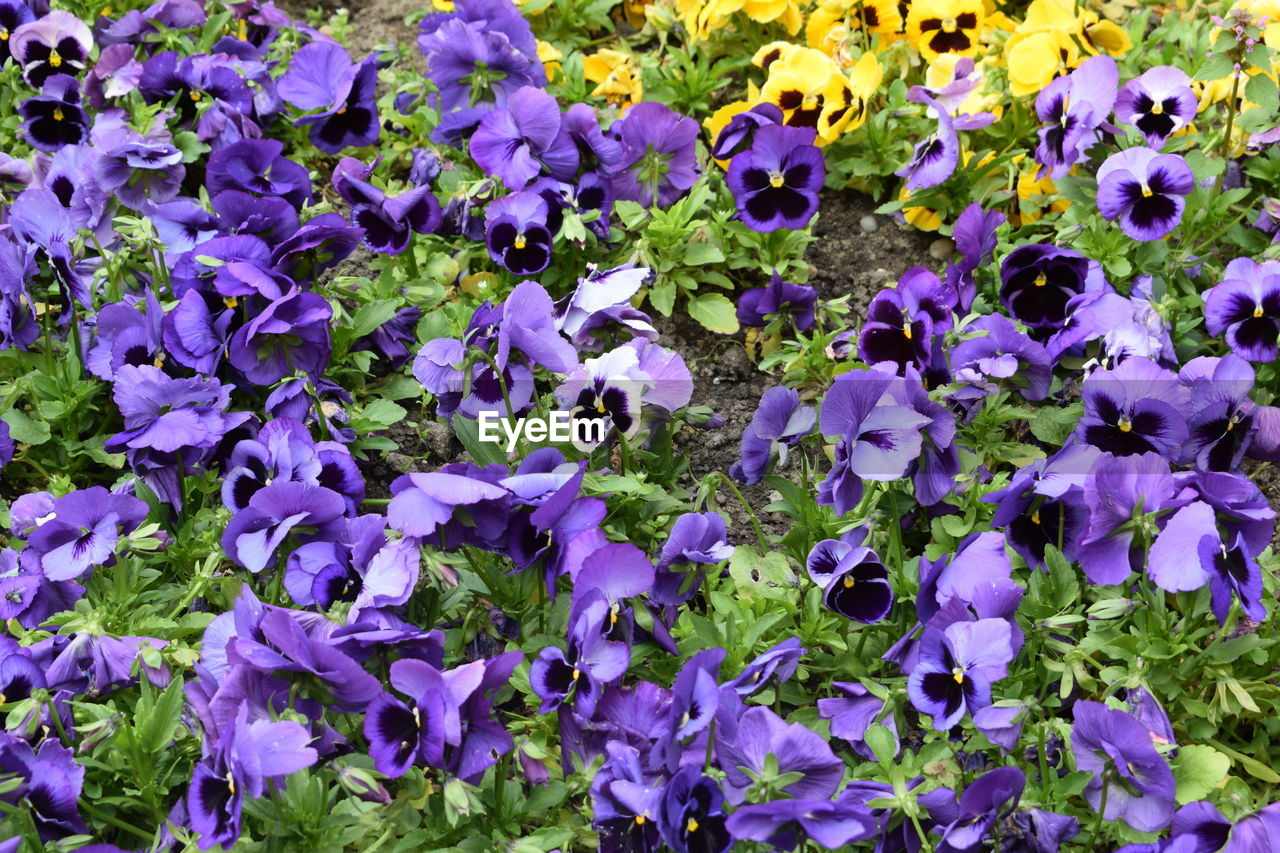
658	163
1038	280
58	43
795	748
55	118
516	232
49	780
988	800
1222	422
902	321
756	307
855	583
974	233
1118	750
322	77
957	667
691	818
140	171
387	221
736	136
402	735
516	143
776	182
1158	103
13	14
1245	308
275	512
258	167
781	824
1044	504
1144	190
1139	407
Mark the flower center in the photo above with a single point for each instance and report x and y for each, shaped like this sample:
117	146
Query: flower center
958	675
57	114
775	179
54	59
691	826
1035	517
520	241
849	582
640	819
1257	311
1041	281
1125	425
230	301
1157	109
231	782
577	673
195	96
948	25
1146	191
906	329
4	35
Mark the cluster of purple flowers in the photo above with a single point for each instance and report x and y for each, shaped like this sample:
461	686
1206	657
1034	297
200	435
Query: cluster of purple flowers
775	171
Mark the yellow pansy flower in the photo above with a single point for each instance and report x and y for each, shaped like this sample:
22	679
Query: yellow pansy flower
616	75
924	218
550	58
1037	197
1102	36
811	91
832	26
1035	57
767	54
785	12
703	17
935	27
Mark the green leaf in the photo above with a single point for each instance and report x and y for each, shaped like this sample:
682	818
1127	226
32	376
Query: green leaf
24	430
156	728
380	414
1261	90
483	452
1198	769
881	742
715	312
1215	67
663	296
698	254
1053	425
370	317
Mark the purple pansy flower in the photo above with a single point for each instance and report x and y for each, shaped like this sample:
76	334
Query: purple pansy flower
322	77
1144	190
386	220
517	234
735	137
58	43
85	529
254	535
1245	308
775	183
1003	354
957	667
290	334
658	163
780	299
1139	407
1117	749
1038	281
903	321
55	118
854	711
517	142
779	423
854	582
1073	107
1158	103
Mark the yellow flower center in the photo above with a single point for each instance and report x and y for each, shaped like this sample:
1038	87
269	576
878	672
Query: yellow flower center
230	301
1125	425
948	25
576	674
691	826
54	59
810	102
906	329
599	408
4	35
640	820
1146	191
958	675
195	96
1041	281
1257	311
342	109
1231	424
57	114
1035	517
520	241
1157	109
849	582
775	179
231	782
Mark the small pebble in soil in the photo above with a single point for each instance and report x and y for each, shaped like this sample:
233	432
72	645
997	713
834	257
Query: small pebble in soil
941	249
869	224
399	462
438	439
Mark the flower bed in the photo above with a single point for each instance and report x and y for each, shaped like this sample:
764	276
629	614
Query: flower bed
682	425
